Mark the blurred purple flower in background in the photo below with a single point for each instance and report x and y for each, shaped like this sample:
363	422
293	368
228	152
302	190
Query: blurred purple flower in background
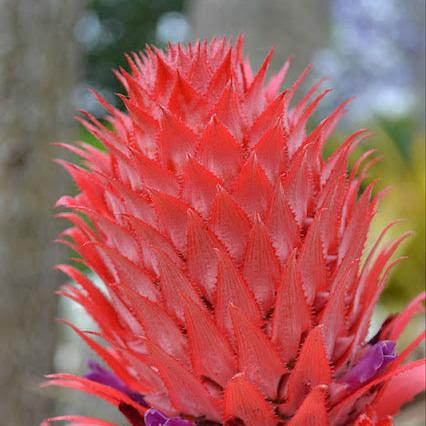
376	50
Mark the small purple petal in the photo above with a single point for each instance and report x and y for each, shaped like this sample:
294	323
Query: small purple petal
105	377
376	357
154	418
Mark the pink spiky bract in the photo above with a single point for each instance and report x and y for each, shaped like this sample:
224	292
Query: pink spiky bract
230	251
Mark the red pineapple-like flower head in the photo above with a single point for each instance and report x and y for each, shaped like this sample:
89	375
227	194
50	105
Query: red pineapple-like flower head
230	251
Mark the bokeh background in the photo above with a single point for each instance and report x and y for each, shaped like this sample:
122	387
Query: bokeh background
52	51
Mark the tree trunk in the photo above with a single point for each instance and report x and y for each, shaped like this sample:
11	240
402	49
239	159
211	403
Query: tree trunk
38	69
296	28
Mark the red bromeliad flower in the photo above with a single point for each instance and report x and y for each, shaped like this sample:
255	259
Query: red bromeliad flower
230	250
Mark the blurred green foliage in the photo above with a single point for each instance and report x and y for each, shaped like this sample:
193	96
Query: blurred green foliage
401	131
126	26
401	145
403	169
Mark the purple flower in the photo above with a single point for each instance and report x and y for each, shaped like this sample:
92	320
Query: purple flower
376	357
152	417
156	418
103	376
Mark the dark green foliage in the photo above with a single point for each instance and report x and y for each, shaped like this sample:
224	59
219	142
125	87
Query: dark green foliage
126	26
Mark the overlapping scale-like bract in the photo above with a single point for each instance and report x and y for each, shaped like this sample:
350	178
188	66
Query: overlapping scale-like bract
230	250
